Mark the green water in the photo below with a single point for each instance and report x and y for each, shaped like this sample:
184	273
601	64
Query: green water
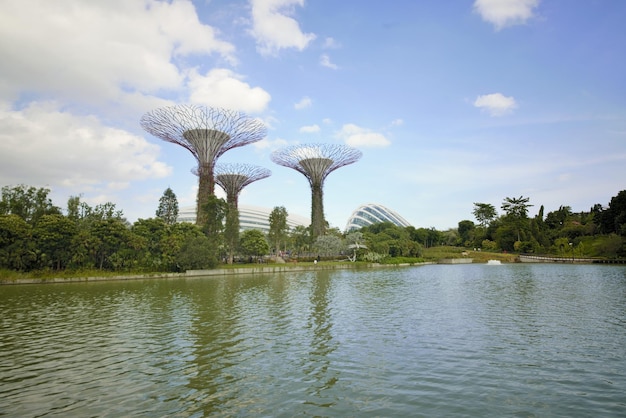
455	340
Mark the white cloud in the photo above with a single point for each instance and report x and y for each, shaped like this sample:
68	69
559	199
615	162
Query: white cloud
267	144
41	145
502	13
309	129
356	136
325	62
331	43
303	103
496	104
224	88
397	122
98	52
274	28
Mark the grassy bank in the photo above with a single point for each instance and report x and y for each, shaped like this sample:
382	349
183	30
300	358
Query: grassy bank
438	253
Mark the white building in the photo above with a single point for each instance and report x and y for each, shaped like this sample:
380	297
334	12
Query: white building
250	217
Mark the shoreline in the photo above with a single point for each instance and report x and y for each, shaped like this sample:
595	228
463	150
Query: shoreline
204	273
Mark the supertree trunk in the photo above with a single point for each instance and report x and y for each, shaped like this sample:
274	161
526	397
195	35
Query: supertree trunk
206	188
318	223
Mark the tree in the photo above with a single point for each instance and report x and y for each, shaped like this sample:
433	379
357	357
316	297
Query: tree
278	226
253	243
29	203
53	235
516	207
196	254
484	213
516	210
613	219
465	230
328	245
168	207
172	243
300	238
152	233
16	250
355	242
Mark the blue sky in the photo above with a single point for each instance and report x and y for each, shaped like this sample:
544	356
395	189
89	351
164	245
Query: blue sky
450	102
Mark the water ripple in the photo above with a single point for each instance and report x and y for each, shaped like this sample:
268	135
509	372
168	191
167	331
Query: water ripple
428	341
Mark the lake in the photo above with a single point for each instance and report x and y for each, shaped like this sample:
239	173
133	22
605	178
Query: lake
524	340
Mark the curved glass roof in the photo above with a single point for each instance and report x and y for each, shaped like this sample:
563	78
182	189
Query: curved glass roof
373	213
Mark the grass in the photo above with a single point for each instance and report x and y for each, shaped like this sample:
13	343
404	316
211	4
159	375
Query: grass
438	253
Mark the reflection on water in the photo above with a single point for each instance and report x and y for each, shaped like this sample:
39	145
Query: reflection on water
466	340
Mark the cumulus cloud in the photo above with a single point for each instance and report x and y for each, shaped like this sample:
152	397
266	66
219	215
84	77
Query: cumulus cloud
303	103
274	28
496	104
325	62
224	88
356	136
42	145
98	51
309	129
503	13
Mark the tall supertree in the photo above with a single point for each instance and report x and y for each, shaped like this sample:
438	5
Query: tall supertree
316	162
207	133
233	178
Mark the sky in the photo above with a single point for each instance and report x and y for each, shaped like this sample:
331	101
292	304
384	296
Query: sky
450	102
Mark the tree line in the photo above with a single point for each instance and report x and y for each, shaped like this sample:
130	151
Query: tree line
37	235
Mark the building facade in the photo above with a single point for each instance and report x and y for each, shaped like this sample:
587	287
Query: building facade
250	217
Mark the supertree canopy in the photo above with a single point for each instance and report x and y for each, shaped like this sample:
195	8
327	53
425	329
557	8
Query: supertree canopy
316	162
207	133
234	177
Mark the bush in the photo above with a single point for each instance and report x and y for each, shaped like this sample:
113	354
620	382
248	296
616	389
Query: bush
196	254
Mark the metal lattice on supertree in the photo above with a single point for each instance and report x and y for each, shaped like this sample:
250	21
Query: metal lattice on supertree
233	178
207	133
316	162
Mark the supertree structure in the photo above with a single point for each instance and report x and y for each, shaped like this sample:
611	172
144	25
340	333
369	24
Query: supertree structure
207	133
316	162
233	178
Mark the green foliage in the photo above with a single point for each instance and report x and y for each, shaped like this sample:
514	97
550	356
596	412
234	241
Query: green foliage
16	251
168	207
328	245
484	213
196	254
466	232
402	260
516	207
278	227
36	236
488	245
372	257
253	243
613	219
300	239
54	235
231	232
29	203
